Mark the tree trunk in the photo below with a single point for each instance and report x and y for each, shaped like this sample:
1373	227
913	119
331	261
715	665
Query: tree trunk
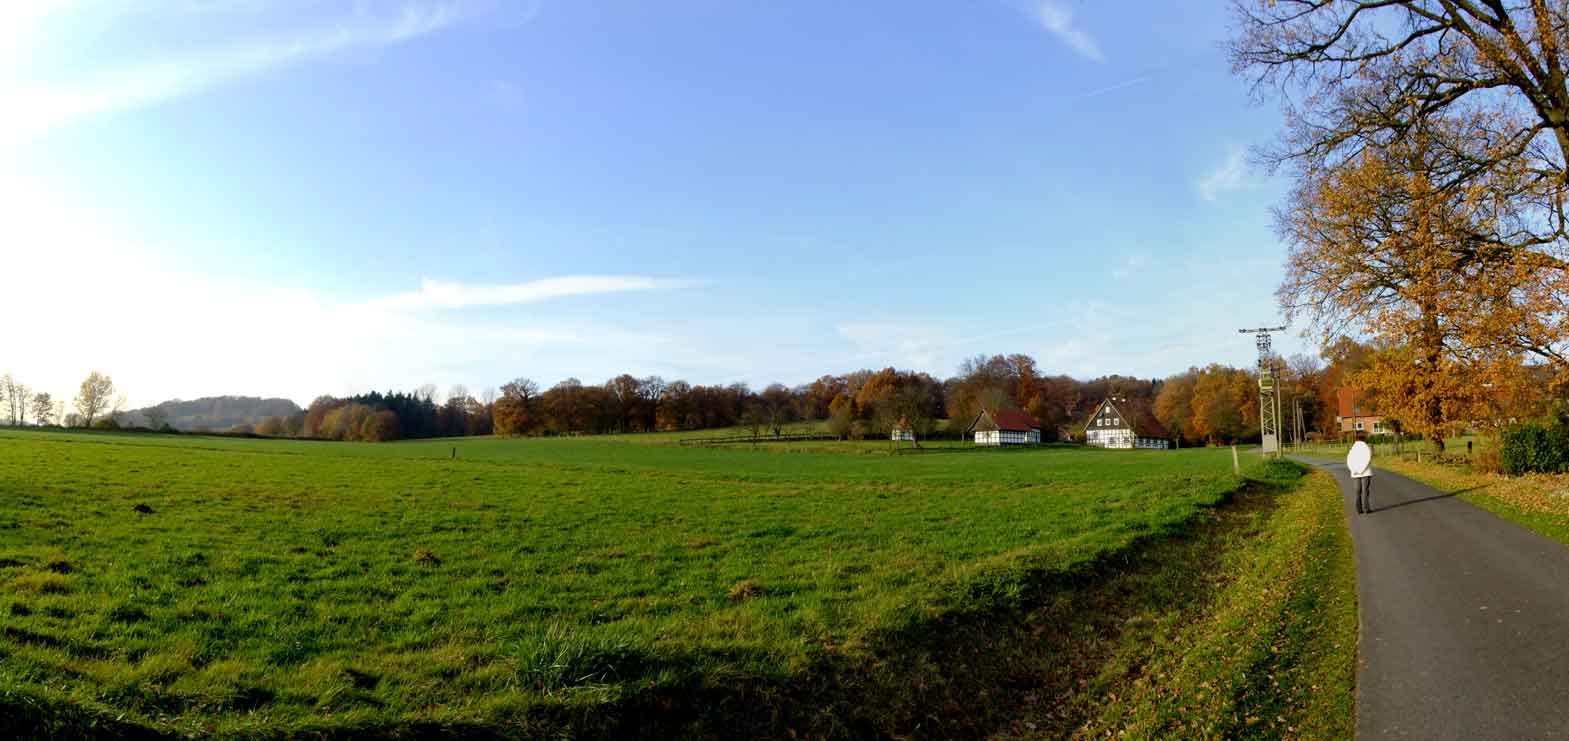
1432	349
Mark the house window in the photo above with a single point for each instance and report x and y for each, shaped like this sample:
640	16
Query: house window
1359	427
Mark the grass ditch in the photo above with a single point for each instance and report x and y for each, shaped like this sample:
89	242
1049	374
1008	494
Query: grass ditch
1246	629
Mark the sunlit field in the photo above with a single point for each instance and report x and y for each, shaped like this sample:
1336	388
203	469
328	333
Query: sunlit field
234	585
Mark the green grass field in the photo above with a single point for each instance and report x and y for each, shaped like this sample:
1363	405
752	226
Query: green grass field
526	585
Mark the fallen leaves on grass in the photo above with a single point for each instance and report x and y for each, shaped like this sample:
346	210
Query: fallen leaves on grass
426	556
746	589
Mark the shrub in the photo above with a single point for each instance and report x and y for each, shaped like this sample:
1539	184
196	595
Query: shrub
1558	441
1513	458
379	427
1530	448
840	422
270	427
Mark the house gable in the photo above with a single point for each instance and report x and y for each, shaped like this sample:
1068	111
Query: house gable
1012	420
983	423
1129	427
1005	427
1107	417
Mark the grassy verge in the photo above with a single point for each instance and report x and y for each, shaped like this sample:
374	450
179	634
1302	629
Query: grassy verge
1247	628
1538	502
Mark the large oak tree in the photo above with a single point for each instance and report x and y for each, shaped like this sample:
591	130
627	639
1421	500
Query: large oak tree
1475	92
1377	247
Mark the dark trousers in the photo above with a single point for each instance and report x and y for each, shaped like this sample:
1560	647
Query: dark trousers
1365	494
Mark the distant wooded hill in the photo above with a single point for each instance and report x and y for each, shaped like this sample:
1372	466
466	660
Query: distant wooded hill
213	412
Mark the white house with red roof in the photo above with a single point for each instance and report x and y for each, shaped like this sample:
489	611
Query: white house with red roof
1005	427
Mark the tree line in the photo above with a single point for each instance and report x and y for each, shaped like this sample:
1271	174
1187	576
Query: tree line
1210	405
857	404
96	404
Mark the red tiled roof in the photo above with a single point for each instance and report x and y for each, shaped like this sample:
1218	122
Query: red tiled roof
1014	420
1143	422
1351	403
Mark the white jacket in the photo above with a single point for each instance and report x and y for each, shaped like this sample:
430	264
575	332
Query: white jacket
1365	454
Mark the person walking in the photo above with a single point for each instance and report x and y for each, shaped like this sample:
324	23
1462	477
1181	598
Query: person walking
1359	461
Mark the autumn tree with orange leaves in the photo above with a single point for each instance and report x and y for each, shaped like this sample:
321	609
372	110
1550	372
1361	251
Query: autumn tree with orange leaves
1378	247
1428	139
1216	404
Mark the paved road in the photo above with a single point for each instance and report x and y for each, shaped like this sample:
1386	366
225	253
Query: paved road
1465	618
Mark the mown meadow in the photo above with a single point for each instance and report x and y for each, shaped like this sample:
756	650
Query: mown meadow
510	587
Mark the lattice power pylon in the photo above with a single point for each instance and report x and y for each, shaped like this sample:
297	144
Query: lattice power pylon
1268	393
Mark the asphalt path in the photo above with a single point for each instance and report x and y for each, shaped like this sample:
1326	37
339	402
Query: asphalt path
1464	617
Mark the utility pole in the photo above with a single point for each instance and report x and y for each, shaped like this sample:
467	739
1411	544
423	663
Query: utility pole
1301	426
1268	392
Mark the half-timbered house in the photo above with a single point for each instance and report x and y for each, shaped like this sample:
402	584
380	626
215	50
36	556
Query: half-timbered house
1125	425
1005	427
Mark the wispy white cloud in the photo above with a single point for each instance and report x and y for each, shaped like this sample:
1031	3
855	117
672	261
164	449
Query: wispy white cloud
163	331
38	105
1112	88
1057	18
436	294
1230	175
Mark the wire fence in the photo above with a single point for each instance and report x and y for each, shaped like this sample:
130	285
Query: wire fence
1456	450
755	439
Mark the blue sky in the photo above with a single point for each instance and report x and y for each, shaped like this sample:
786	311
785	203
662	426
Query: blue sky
287	198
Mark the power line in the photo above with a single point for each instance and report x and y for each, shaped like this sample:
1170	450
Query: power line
1268	393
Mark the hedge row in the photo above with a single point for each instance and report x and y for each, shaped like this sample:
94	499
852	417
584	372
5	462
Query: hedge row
1535	447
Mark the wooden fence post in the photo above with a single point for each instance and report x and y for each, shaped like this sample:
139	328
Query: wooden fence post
1236	466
